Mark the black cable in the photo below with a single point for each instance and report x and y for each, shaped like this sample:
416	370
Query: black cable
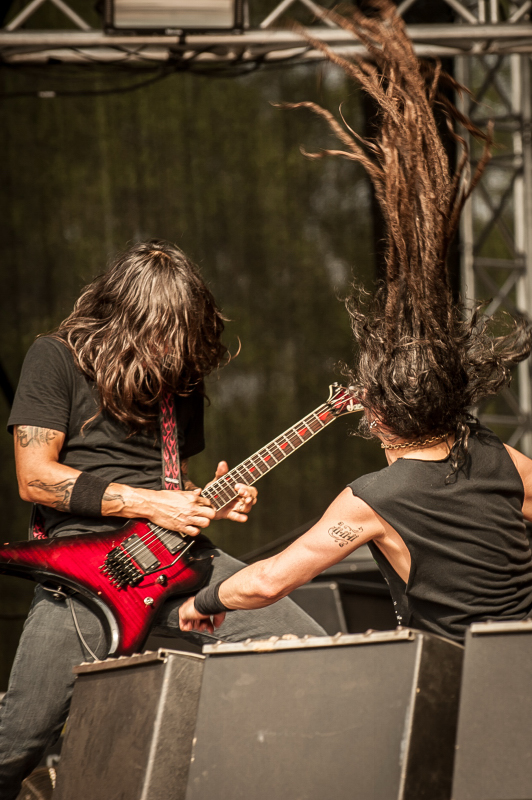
43	93
234	69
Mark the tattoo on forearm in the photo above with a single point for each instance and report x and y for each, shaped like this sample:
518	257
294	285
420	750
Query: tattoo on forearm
28	435
343	534
60	493
112	496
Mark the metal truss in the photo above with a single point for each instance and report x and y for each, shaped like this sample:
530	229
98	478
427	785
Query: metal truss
485	26
491	42
496	232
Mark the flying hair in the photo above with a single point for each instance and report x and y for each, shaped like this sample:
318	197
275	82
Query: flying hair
421	360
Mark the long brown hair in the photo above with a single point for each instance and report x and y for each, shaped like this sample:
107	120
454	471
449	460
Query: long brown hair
421	361
147	324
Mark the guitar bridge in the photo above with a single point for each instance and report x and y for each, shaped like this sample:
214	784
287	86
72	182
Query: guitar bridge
126	565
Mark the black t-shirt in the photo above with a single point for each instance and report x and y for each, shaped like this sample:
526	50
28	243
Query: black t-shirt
470	554
53	393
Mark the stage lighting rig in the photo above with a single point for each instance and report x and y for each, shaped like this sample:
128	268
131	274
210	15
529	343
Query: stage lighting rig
174	16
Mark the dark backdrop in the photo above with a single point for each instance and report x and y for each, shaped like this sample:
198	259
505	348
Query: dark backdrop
210	164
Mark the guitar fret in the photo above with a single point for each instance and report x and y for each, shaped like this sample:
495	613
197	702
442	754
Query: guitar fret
222	491
321	417
238	471
284	444
228	481
227	485
245	473
305	431
291	438
269	455
254	466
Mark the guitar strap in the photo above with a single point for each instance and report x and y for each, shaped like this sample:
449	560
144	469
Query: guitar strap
36	527
171	465
171	473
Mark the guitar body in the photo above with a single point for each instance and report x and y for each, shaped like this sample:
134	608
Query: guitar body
75	562
128	574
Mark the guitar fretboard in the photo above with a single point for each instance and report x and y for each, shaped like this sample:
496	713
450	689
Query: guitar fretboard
222	491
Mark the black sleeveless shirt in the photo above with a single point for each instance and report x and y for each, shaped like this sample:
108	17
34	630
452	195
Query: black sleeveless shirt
471	558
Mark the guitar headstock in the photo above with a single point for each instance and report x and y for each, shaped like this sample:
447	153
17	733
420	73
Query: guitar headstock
342	401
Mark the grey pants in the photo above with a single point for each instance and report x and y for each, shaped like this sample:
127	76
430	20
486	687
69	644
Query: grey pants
36	704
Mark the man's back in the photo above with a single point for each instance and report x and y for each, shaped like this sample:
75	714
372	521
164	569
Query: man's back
470	555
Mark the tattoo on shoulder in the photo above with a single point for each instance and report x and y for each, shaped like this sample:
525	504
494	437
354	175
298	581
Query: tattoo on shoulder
343	534
59	493
31	436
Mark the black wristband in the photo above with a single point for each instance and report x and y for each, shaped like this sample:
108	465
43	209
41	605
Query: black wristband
207	600
87	494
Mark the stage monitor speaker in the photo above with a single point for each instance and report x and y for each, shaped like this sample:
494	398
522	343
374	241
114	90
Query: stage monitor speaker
368	716
129	733
367	604
322	601
494	750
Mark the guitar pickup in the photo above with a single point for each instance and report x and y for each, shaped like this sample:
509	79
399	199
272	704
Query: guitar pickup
140	553
172	540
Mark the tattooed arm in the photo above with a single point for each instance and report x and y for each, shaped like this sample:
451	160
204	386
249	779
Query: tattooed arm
42	479
347	524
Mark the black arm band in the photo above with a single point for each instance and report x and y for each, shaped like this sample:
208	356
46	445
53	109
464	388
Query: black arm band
207	601
87	494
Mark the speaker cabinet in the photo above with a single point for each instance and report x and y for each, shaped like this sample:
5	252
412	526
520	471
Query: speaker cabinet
494	750
370	716
322	601
129	733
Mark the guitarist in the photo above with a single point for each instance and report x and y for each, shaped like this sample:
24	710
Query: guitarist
88	454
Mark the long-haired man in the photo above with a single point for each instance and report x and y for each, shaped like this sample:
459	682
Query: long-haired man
445	519
88	454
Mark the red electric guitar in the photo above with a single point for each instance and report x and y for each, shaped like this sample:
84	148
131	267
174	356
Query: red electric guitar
129	573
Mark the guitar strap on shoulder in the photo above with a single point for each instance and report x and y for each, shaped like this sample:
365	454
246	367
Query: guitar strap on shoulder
171	466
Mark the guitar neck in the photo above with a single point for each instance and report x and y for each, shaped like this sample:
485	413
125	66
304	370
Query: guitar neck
222	491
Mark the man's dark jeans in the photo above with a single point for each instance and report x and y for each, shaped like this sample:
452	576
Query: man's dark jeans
36	705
